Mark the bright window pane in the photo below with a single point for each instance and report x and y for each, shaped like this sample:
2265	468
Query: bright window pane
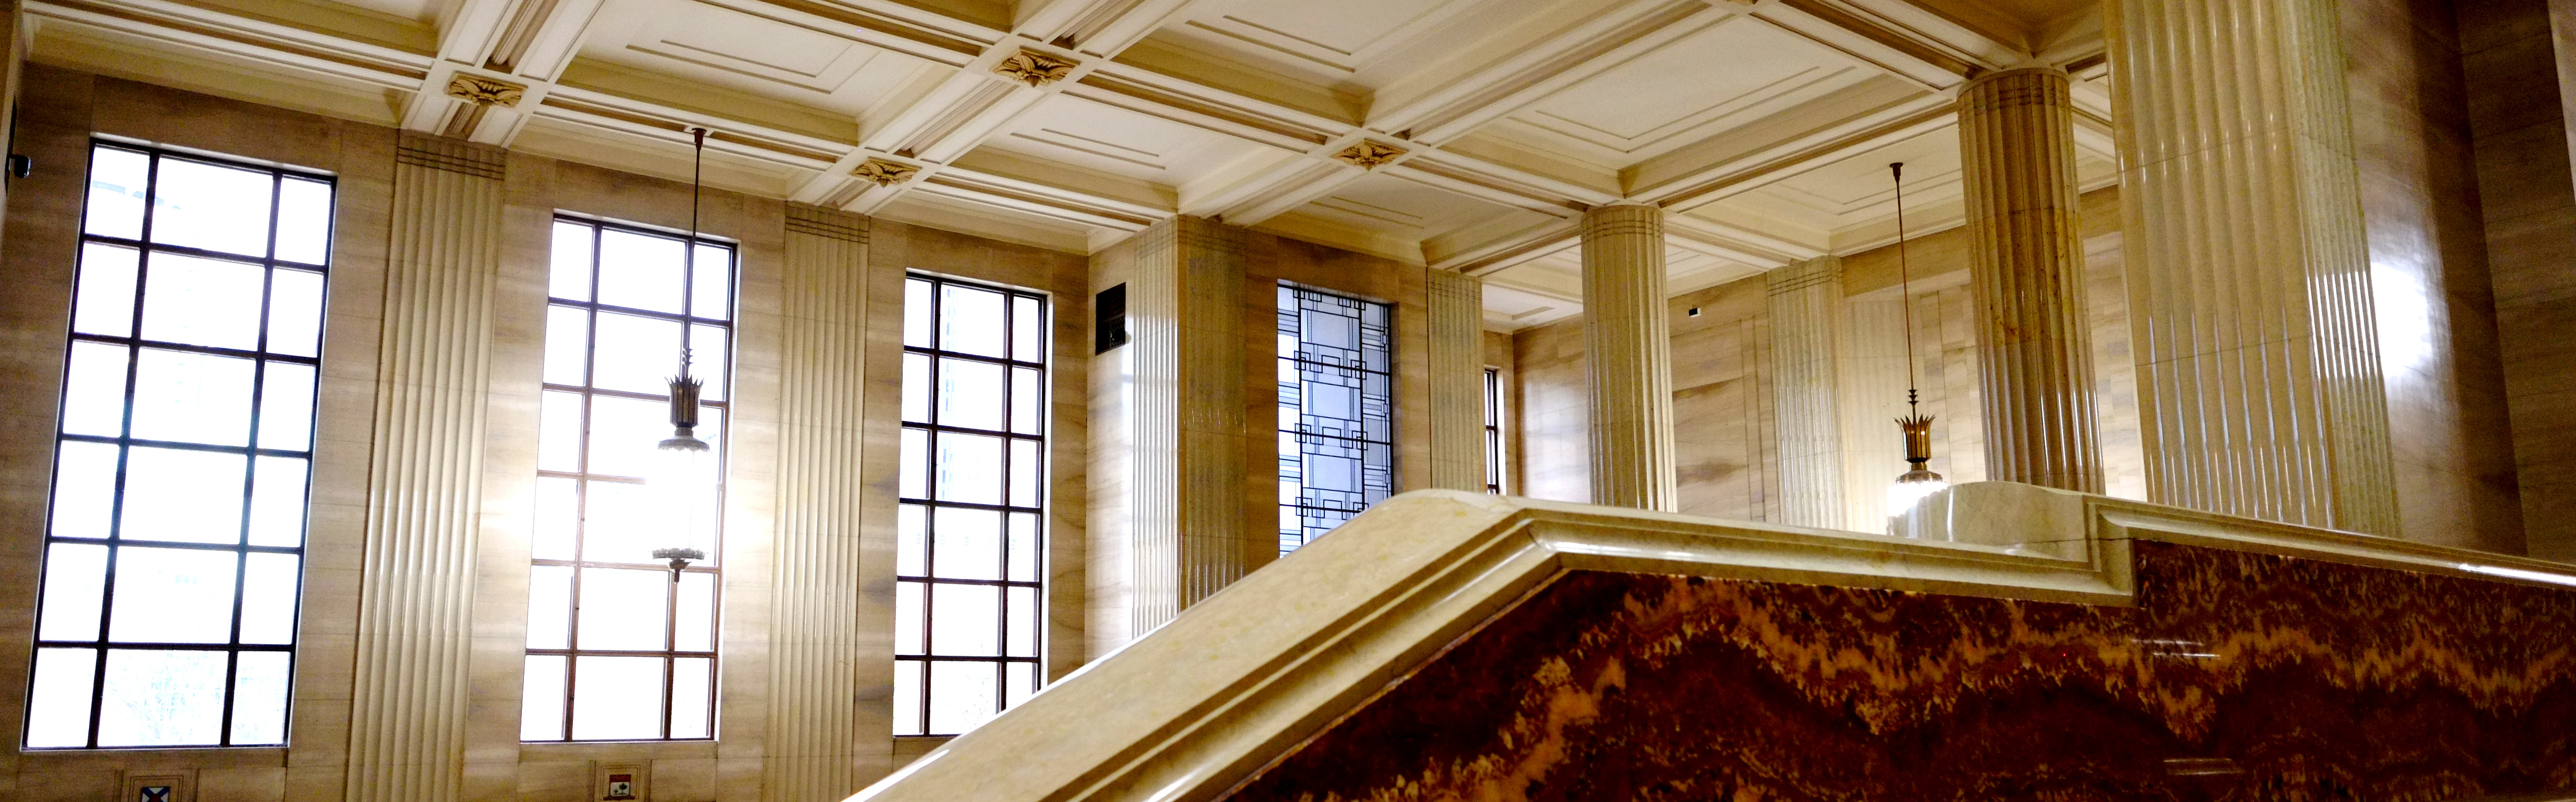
541	699
173	596
1336	407
192	398
693	630
623	432
94	390
907	697
210	206
1018	683
193	301
616	698
970	468
911	538
1025	462
549	607
623	609
916	313
962	695
105	302
916	388
259	698
118	181
286	407
75	585
908	617
268	597
711	288
969	544
58	700
709	361
970	320
970	394
182	495
1019	634
635	354
162	698
84	490
303	221
1024	547
295	313
559	432
568	277
558	512
1028	321
692	691
908	478
966	620
277	501
639	271
1027	401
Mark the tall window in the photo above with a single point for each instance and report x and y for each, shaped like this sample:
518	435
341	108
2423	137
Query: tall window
970	540
1336	412
1493	431
175	546
619	648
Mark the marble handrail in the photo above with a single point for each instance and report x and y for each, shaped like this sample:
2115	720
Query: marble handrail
1245	676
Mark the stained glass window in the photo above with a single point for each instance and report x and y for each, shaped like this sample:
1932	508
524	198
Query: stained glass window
970	539
175	546
618	649
1336	411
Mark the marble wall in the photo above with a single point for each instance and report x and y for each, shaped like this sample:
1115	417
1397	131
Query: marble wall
63	109
2517	125
1723	400
2452	445
2235	675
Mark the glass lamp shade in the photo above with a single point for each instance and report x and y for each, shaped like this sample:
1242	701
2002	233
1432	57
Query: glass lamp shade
682	481
1910	490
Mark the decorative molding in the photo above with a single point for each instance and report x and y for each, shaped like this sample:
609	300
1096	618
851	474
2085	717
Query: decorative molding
482	91
1367	155
1034	68
885	173
1456	311
452	155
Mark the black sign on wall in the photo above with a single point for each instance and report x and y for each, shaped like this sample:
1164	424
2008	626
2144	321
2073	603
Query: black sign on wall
1109	319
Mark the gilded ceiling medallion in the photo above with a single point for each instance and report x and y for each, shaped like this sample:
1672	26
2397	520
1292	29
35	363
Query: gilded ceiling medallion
1034	68
885	173
1367	155
482	91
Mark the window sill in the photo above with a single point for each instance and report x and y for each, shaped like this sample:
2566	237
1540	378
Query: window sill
615	750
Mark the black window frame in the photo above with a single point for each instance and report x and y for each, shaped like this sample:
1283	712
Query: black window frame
1494	431
135	343
928	580
583	478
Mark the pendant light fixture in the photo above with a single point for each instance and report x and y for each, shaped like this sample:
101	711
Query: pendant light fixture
681	462
1918	481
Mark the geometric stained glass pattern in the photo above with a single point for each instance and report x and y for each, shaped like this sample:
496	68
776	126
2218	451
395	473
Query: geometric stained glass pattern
174	547
969	542
618	648
1336	411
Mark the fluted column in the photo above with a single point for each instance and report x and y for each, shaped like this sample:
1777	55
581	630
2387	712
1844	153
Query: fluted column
2259	387
1185	313
1806	303
1628	356
1457	346
815	574
2026	260
407	719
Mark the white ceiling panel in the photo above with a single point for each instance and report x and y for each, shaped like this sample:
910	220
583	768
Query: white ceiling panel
1732	74
1109	139
723	43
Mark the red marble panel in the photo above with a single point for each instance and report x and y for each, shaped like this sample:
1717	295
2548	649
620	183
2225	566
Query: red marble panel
2235	677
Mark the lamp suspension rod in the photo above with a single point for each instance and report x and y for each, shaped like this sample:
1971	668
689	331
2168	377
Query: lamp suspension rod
1905	281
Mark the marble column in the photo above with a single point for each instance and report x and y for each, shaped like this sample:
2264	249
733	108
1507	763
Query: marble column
1806	304
408	714
1456	343
2026	261
1185	319
2259	387
1628	357
815	575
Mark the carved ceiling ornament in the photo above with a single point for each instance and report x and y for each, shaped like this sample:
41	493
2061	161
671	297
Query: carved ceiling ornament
1367	155
482	91
1034	68
885	173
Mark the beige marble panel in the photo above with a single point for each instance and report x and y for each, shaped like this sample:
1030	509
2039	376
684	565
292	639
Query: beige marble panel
1552	416
2518	64
2420	194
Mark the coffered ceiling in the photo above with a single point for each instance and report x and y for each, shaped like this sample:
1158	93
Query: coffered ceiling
1459	134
